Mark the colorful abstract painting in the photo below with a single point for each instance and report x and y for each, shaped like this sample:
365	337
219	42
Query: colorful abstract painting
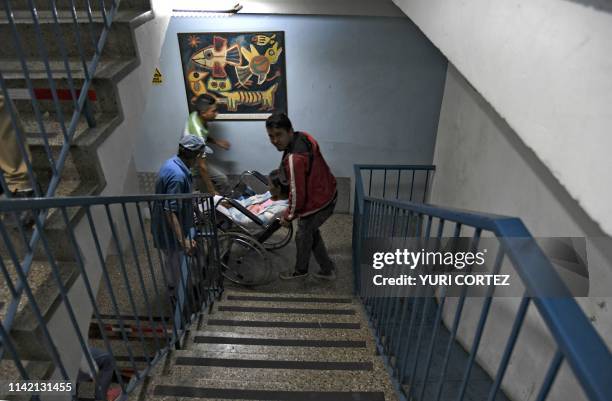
244	71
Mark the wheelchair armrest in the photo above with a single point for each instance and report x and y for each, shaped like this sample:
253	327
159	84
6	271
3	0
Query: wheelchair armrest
245	211
259	176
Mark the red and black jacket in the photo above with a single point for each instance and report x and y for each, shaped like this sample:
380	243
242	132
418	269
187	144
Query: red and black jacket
311	184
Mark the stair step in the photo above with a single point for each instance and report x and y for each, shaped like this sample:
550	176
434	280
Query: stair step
322	340
113	330
106	69
292	332
55	228
9	373
351	375
54	134
283	310
301	388
309	355
282	324
116	45
257	303
101	96
270	364
288	352
46	292
289	319
286	298
132	318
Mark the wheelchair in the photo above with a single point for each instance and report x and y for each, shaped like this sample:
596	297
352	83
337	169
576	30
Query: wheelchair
245	251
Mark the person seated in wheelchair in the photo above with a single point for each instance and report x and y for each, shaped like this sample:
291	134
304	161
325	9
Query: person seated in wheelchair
267	207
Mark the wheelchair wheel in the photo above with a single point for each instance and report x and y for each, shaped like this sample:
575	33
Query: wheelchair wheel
279	239
244	260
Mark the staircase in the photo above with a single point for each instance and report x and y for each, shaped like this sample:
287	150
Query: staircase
270	346
41	119
82	174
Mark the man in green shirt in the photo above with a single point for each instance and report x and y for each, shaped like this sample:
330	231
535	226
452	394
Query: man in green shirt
208	177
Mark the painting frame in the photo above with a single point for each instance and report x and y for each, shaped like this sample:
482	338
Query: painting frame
244	71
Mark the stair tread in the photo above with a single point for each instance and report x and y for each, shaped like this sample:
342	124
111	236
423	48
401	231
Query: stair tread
54	134
311	334
47	295
41	283
9	373
300	384
280	323
288	297
295	305
254	342
350	379
310	355
106	68
286	317
289	352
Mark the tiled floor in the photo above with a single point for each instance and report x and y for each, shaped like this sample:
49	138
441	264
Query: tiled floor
337	234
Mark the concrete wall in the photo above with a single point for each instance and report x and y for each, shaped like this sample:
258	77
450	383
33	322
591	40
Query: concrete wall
483	165
368	89
544	65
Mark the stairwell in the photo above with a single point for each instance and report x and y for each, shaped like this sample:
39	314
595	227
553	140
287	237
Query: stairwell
296	340
82	173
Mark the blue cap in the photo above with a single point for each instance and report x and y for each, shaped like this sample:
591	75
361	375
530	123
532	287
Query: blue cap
192	142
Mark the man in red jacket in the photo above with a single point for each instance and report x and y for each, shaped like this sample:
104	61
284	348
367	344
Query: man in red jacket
312	193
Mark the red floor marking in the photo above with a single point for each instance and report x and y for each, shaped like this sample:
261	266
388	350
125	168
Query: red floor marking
47	94
62	94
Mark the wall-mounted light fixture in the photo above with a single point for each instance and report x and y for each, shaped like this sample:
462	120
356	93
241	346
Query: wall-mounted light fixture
204	8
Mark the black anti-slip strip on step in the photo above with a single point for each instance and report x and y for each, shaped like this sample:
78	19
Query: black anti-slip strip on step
125	358
297	311
288	299
269	364
279	342
287	325
131	317
238	394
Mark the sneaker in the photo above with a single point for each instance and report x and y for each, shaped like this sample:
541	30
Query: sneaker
26	218
330	275
292	275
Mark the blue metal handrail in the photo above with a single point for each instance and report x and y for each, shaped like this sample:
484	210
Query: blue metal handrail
80	103
198	284
575	338
410	171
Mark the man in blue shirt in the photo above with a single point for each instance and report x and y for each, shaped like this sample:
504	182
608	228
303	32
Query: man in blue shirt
172	220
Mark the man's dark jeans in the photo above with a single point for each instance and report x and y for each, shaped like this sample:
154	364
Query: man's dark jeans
308	239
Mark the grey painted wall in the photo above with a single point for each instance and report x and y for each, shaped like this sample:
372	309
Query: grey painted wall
369	89
482	165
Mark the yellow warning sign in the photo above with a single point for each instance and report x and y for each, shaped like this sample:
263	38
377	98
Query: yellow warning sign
157	77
